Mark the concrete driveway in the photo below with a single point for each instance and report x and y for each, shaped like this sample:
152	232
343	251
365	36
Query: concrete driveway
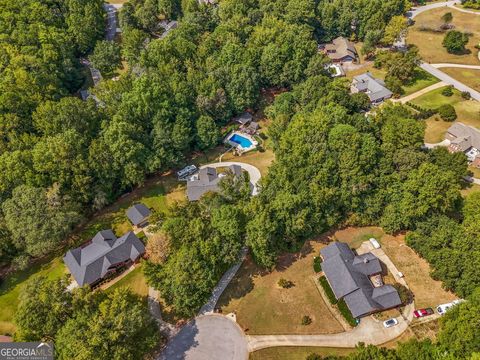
208	337
420	9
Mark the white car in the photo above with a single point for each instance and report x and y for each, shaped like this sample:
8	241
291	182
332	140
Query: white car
442	309
390	322
374	243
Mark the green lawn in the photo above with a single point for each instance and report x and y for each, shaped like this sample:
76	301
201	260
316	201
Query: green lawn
10	289
469	77
421	80
468	112
134	280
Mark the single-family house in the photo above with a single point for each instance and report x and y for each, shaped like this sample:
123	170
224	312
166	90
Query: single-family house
103	256
350	277
244	119
466	139
207	180
340	50
138	215
374	88
252	128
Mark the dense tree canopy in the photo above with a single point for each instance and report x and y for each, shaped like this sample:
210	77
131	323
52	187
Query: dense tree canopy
85	324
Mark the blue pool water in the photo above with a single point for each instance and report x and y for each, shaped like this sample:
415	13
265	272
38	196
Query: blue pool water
240	140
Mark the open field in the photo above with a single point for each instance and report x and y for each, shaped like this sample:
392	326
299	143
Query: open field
469	77
296	352
252	289
427	291
468	112
430	42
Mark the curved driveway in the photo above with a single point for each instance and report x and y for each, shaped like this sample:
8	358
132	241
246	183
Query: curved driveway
417	11
252	171
208	337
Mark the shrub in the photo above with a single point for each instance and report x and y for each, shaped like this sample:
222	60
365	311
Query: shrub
306	320
286	284
317	264
447	91
345	311
466	95
447	112
328	290
455	42
314	356
406	295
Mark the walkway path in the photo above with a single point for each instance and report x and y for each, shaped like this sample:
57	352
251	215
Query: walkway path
465	10
449	80
209	307
252	171
410	97
154	307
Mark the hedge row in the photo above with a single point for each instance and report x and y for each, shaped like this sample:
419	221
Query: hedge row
345	311
328	290
422	112
317	264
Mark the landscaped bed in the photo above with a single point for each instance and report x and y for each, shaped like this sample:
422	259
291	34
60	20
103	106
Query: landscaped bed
468	112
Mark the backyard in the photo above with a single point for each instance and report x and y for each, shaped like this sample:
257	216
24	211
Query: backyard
252	288
428	39
468	112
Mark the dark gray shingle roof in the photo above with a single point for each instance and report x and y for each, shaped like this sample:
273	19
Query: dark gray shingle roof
207	180
138	213
348	275
92	262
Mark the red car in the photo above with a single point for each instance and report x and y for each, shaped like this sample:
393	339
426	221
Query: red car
423	312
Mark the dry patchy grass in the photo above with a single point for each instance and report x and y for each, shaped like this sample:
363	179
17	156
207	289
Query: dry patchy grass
469	77
430	43
252	289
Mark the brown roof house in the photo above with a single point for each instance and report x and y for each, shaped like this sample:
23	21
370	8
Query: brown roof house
340	50
466	139
350	277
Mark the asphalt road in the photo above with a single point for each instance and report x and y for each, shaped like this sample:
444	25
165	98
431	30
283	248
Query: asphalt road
449	80
411	14
208	337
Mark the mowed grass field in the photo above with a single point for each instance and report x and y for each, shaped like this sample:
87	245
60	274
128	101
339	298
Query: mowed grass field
430	43
428	292
468	112
469	77
263	307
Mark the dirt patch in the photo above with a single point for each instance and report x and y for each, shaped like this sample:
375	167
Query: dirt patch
262	307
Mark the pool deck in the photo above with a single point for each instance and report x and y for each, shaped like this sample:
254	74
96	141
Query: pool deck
239	146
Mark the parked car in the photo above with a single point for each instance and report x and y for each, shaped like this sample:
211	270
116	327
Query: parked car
390	322
374	243
442	309
423	312
186	171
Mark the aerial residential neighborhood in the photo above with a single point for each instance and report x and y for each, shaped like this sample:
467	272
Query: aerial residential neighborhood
239	179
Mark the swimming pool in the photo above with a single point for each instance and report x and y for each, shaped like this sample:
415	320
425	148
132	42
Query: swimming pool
240	140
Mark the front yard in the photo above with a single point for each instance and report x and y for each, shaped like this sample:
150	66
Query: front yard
263	307
430	42
468	112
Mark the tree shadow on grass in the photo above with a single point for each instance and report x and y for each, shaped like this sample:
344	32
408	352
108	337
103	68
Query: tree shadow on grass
242	283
